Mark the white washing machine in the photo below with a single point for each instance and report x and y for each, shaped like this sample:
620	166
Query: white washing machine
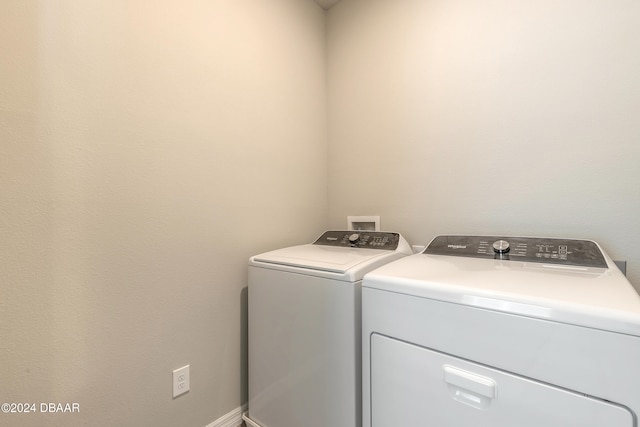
493	331
305	329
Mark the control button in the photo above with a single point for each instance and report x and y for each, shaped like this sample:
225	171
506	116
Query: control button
354	237
501	246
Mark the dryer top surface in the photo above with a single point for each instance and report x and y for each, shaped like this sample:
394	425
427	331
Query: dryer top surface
601	298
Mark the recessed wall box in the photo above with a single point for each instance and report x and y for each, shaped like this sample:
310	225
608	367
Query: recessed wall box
363	223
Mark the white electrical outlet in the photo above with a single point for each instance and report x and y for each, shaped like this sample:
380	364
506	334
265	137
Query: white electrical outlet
181	381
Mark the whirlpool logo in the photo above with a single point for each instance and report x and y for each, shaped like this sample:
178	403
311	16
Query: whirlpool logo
457	246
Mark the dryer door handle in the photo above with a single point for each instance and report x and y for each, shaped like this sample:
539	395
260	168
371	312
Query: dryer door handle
469	388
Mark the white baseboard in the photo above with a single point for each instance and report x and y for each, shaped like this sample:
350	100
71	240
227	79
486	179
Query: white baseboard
232	419
248	421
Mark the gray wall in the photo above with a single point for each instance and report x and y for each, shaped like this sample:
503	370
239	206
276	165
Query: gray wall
497	117
147	149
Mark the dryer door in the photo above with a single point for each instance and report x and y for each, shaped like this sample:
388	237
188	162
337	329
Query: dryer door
415	386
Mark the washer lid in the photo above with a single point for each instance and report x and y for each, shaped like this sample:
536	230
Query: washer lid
317	257
345	254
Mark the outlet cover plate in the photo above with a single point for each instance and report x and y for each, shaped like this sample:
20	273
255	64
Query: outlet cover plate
181	381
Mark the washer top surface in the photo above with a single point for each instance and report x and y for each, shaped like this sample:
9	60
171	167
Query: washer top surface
345	255
477	271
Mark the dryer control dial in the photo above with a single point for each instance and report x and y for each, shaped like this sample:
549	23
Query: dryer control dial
354	237
501	246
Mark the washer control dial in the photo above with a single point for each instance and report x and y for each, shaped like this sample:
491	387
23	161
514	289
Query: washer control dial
501	246
354	237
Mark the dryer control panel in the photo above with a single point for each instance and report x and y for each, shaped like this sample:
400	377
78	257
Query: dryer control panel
583	253
360	239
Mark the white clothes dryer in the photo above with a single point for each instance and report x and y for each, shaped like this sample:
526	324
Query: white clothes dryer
305	328
494	331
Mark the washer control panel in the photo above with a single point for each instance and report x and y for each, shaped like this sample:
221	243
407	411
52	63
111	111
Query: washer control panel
360	239
583	253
